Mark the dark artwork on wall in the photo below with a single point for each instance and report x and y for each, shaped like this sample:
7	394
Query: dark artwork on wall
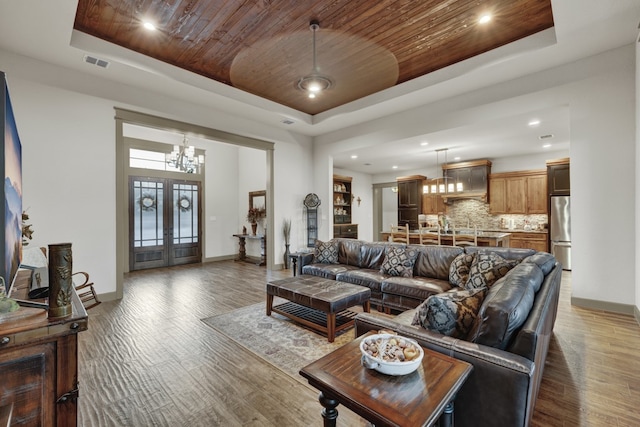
11	210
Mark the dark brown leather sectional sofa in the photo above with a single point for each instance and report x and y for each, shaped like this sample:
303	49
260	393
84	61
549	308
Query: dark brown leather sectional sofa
509	343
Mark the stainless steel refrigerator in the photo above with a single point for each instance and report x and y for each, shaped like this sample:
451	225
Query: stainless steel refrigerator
560	230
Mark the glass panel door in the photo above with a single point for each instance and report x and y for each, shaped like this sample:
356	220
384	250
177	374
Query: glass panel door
164	222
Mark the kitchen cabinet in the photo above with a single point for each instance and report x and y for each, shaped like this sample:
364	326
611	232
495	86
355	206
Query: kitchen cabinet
558	176
342	204
528	240
522	192
432	202
410	199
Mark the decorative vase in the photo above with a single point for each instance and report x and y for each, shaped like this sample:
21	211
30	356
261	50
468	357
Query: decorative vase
286	256
60	283
254	227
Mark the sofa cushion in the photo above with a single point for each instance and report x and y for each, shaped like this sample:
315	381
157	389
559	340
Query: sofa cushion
363	277
451	313
544	260
327	271
398	261
349	251
487	268
433	261
415	287
372	254
326	252
460	268
506	306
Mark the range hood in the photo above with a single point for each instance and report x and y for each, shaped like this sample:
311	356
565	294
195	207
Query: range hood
467	180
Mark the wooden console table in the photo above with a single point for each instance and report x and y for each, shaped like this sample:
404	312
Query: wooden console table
417	399
39	361
242	250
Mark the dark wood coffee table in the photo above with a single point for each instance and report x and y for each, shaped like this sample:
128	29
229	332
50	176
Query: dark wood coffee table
318	303
417	399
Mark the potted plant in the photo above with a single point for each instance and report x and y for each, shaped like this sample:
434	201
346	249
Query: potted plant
253	216
286	233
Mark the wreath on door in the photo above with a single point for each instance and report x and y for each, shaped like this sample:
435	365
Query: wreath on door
147	202
184	203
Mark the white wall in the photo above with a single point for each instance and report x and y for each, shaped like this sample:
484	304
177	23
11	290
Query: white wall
600	92
66	124
251	176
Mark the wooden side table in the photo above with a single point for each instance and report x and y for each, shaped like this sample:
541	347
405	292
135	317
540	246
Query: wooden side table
417	399
242	251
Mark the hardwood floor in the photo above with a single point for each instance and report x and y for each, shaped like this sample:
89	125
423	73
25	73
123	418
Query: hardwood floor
148	360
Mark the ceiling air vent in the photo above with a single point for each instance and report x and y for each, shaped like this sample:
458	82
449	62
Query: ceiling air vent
287	121
543	137
96	61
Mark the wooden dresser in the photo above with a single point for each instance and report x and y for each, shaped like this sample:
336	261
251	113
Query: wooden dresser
39	362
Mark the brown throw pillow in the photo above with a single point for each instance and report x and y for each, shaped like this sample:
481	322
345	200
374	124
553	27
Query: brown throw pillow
487	268
451	313
460	268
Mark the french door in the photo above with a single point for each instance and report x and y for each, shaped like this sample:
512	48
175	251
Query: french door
164	222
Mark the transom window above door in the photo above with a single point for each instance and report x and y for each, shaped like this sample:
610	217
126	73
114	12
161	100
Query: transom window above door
156	160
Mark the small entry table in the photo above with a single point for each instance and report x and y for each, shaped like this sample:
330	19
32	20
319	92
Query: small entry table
416	399
242	249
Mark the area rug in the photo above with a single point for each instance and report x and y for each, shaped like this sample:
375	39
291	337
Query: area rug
276	339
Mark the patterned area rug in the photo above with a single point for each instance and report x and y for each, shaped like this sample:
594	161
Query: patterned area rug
276	339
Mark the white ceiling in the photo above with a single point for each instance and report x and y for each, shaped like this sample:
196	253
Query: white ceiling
44	30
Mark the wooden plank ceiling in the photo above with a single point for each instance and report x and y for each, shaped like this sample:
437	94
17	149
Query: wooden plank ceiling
265	46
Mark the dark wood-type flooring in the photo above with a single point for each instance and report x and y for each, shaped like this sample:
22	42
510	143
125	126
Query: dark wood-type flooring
148	360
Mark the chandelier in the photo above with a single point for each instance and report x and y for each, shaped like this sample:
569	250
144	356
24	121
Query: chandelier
315	82
184	157
442	184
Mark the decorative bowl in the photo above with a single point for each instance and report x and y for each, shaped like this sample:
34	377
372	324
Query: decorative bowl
386	344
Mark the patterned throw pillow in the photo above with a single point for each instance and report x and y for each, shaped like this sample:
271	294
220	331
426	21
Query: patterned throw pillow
326	252
451	313
487	268
459	269
398	261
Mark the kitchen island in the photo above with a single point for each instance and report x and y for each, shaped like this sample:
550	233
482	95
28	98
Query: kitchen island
485	238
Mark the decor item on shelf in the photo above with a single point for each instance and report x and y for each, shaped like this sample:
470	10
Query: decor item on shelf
314	83
27	231
184	157
60	283
244	230
286	233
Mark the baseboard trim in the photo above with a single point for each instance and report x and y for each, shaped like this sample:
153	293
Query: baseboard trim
613	307
109	296
219	258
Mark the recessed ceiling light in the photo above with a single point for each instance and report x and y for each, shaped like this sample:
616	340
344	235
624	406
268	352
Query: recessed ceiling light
546	146
149	25
456	158
423	143
534	122
484	18
394	167
354	156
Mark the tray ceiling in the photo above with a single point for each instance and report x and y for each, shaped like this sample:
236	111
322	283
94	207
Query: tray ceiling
264	46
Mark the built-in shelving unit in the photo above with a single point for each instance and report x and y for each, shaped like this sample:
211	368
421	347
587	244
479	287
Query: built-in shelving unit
342	204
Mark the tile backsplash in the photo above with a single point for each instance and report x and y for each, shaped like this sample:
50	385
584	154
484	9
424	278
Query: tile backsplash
468	212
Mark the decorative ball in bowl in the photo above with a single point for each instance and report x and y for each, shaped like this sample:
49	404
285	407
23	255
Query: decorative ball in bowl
391	354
